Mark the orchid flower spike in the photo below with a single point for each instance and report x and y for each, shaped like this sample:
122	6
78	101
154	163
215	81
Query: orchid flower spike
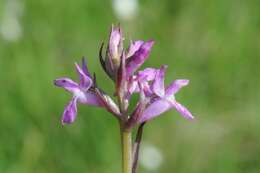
122	67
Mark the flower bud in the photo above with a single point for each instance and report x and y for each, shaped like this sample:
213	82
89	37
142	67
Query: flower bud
115	46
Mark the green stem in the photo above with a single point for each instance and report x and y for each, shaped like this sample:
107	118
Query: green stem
126	141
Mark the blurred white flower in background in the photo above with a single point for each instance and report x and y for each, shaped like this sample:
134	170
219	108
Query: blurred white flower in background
125	9
10	27
150	157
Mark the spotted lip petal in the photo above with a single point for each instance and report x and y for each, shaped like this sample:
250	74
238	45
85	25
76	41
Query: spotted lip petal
70	112
135	61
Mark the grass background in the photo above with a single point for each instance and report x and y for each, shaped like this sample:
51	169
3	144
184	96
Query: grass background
215	44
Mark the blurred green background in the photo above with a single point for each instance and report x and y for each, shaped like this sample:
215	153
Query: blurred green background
215	44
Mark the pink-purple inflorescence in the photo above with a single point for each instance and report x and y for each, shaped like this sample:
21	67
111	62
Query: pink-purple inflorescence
122	65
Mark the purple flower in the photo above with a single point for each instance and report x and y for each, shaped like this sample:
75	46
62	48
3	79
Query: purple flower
144	77
82	92
164	98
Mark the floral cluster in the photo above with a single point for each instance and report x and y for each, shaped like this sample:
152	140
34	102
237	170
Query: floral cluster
122	66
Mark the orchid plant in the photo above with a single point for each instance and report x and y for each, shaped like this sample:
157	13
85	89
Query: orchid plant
121	65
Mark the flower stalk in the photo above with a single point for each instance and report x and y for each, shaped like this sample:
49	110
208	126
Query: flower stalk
126	147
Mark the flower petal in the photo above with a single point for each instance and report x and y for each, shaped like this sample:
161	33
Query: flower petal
158	84
147	74
85	81
85	67
155	109
147	88
89	99
115	43
67	84
132	85
134	46
142	77
182	110
70	112
176	85
134	62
